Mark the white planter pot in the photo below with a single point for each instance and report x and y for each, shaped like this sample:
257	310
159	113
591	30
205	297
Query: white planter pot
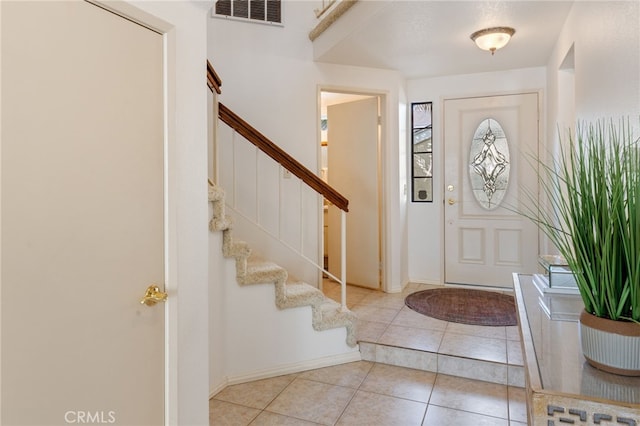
612	346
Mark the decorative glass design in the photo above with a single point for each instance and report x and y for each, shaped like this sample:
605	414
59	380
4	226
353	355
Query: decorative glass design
422	152
422	165
489	164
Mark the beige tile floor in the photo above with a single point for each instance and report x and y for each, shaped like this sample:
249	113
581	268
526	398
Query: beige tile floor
374	394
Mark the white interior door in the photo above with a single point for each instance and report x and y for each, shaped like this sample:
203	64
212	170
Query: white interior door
82	216
352	152
486	168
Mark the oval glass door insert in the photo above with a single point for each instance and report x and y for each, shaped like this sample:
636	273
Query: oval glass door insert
489	164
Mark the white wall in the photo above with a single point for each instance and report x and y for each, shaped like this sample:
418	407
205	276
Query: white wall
220	278
606	40
269	78
425	220
606	81
259	340
187	283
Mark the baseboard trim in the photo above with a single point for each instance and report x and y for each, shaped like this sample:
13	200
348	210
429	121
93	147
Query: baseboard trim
481	287
288	369
219	388
428	282
470	286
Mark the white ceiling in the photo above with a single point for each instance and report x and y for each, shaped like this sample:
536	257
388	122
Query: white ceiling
424	38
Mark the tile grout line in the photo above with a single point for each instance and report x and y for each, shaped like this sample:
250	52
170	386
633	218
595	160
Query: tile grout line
354	394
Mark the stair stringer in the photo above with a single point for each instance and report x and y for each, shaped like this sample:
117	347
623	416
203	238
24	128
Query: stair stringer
289	293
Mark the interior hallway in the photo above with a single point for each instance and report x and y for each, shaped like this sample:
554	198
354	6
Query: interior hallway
378	394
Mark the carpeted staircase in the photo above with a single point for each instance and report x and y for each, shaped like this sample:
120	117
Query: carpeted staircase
289	293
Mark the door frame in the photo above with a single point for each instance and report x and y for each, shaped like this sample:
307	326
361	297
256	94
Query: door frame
168	32
541	128
382	173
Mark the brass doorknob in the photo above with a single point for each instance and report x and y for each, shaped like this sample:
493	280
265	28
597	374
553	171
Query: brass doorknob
153	295
451	201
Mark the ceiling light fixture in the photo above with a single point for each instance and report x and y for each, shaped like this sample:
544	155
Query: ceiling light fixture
492	39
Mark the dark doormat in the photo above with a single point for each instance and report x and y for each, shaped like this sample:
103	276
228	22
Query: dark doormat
466	306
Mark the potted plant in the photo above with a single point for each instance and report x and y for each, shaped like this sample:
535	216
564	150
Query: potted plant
591	196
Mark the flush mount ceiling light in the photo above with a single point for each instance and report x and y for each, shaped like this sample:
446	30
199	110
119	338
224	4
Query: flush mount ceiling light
492	39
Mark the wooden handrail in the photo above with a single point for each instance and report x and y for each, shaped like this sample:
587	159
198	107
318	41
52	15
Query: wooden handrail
213	80
279	155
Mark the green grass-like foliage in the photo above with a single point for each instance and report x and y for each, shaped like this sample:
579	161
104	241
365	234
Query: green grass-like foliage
592	215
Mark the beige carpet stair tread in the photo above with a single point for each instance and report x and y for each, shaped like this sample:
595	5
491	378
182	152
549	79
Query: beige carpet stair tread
329	305
256	266
289	291
302	294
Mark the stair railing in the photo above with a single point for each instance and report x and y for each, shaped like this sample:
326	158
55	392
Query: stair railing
330	14
310	179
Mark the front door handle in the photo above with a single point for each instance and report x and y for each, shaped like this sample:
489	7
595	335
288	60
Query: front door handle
451	201
153	295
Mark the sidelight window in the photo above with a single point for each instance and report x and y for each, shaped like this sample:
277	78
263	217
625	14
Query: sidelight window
421	152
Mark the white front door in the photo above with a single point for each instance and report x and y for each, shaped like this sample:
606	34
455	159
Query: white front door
352	151
488	142
82	216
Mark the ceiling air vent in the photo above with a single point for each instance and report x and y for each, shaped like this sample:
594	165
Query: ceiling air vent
266	11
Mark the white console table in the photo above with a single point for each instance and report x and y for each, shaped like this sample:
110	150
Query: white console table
561	387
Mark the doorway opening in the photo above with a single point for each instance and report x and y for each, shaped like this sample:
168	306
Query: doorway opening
350	161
